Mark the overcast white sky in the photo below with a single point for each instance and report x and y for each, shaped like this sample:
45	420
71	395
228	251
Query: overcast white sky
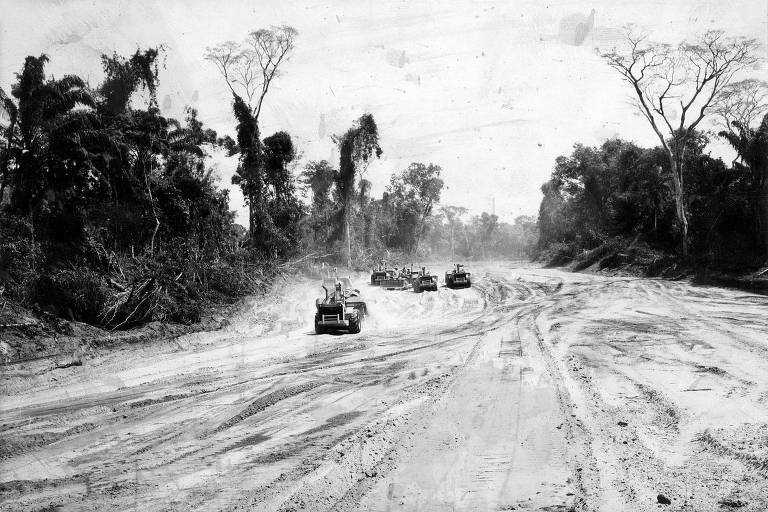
490	91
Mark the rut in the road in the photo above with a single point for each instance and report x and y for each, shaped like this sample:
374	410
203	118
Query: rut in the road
262	403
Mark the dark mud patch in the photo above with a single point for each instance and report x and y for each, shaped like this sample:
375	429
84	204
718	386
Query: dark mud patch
27	486
263	403
710	369
11	446
320	359
276	456
667	415
333	422
163	399
156	443
245	442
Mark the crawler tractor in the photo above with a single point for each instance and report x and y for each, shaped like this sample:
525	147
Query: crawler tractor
458	277
409	275
387	278
342	309
424	282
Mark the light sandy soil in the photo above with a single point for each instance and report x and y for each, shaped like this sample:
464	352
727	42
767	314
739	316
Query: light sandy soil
534	390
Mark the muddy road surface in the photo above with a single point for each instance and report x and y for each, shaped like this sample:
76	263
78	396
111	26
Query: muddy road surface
534	390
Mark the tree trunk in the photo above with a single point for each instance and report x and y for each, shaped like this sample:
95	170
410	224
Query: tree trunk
154	212
251	220
452	256
349	241
682	217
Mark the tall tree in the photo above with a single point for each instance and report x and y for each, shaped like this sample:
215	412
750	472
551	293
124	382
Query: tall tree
488	223
319	177
675	88
413	194
9	132
751	144
739	107
357	147
453	215
744	102
50	134
248	69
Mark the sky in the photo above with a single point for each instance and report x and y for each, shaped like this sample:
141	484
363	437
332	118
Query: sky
492	92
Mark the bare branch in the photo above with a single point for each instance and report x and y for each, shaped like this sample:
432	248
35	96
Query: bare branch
742	102
248	68
694	73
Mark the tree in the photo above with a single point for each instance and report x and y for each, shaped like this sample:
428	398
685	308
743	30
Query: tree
751	144
453	215
742	102
248	69
126	76
738	107
488	224
278	153
413	194
357	146
283	206
10	133
320	177
48	147
691	74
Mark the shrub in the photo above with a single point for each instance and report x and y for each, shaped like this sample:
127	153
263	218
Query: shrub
78	293
20	255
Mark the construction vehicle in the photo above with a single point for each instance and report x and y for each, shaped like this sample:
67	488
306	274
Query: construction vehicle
424	281
408	275
388	279
342	308
458	277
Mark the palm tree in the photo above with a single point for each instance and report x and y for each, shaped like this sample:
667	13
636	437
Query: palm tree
10	134
48	125
752	147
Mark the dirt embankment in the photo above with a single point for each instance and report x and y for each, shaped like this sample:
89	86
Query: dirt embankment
28	335
621	258
33	334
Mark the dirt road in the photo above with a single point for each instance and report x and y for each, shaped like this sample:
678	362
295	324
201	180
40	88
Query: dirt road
534	390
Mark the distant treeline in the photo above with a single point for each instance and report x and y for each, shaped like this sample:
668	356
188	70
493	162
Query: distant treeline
406	222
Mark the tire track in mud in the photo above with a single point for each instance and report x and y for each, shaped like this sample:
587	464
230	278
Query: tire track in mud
365	478
380	440
102	475
579	448
630	461
707	323
345	450
362	457
601	433
262	403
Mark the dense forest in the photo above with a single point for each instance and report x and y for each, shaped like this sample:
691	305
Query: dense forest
671	206
110	212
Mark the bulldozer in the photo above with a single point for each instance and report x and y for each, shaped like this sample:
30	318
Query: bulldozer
342	308
458	277
388	279
424	281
